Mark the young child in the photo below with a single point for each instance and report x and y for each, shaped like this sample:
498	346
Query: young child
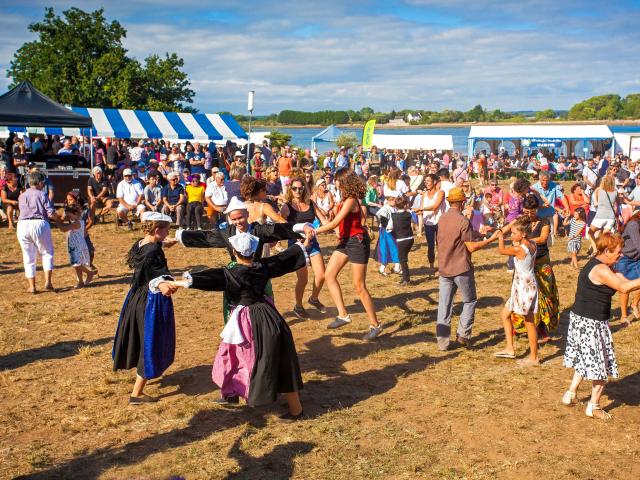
77	246
577	224
524	290
88	217
257	357
145	337
400	228
386	248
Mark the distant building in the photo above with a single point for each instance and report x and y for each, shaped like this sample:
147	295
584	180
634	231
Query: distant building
414	117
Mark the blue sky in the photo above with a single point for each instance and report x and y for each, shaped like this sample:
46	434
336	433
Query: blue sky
426	54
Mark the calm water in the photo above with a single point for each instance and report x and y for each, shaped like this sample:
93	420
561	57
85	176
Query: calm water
302	136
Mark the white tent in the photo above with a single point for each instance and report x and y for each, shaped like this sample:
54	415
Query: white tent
413	142
629	143
541	135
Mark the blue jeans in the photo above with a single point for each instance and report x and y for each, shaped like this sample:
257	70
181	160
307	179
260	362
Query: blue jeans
431	232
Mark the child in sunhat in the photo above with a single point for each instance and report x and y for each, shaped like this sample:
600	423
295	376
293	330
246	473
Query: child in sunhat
145	337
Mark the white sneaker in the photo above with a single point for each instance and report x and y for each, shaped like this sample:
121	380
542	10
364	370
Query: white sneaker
340	322
373	333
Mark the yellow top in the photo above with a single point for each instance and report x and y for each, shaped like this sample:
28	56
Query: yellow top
195	194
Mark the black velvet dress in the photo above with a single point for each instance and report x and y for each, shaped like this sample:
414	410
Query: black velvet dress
145	336
262	361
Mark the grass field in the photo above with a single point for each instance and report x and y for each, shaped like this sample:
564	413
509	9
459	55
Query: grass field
395	408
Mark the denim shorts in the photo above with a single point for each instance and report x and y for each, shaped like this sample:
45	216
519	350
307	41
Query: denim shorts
313	249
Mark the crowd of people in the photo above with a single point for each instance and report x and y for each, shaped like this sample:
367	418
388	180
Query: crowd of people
274	212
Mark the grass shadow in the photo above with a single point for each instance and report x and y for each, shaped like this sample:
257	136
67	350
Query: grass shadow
48	352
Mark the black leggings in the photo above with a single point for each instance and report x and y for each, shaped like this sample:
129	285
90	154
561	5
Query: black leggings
194	208
403	253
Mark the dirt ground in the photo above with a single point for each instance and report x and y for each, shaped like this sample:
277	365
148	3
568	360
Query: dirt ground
394	408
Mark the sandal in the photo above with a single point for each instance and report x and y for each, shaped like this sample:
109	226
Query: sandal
595	407
569	398
626	321
504	355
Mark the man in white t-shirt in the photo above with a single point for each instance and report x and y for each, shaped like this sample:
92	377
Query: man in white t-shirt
216	198
590	176
445	185
130	194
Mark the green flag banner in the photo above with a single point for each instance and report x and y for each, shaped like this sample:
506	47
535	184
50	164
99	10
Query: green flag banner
367	134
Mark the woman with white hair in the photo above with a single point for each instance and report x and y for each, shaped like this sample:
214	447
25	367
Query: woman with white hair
34	232
98	193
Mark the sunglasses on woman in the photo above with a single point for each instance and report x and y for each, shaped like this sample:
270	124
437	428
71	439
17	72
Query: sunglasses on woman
297	189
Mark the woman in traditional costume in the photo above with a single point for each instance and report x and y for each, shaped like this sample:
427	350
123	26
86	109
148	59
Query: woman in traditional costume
257	357
145	337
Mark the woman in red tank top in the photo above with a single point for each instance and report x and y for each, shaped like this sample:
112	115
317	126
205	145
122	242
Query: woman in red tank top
355	247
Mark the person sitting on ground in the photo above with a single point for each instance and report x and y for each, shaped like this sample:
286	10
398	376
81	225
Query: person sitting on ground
216	197
173	198
10	194
153	194
130	195
195	197
98	193
323	201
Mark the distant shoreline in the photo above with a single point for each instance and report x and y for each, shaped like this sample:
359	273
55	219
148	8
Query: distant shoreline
387	126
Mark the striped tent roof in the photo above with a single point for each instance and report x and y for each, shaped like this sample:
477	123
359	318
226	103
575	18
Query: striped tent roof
110	122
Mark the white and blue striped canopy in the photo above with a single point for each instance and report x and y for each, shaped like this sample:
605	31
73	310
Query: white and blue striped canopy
109	122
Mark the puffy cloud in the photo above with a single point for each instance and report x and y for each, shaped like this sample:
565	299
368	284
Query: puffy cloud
429	54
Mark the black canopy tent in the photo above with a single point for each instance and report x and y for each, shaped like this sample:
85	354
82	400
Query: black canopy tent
26	106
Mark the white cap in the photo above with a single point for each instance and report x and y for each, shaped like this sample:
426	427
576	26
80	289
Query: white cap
155	217
244	243
126	171
235	204
238	154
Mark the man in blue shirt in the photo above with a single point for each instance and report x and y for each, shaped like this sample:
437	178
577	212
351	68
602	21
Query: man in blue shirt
550	192
343	159
173	198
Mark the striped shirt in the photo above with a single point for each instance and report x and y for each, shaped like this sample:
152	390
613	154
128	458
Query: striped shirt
575	228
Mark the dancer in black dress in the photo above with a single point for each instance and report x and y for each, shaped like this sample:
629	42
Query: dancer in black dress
145	337
257	357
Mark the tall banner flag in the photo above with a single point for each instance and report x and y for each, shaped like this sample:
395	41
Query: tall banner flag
367	134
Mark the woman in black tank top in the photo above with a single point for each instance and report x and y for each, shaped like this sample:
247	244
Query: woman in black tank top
300	209
589	348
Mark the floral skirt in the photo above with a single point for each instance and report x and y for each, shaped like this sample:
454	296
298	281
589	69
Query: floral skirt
547	317
590	349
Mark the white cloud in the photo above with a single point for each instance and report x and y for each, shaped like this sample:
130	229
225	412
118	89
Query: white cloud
351	59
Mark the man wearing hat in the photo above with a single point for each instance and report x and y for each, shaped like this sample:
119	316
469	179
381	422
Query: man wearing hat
455	246
130	195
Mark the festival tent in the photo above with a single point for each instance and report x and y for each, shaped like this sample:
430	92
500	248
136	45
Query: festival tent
413	142
329	134
629	143
115	123
541	136
25	106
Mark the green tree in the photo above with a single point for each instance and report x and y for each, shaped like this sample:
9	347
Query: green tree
631	106
602	107
79	59
278	139
347	140
476	114
547	114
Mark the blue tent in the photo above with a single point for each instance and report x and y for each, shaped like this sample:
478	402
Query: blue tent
329	134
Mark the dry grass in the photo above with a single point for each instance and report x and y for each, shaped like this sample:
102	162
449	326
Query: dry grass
396	408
